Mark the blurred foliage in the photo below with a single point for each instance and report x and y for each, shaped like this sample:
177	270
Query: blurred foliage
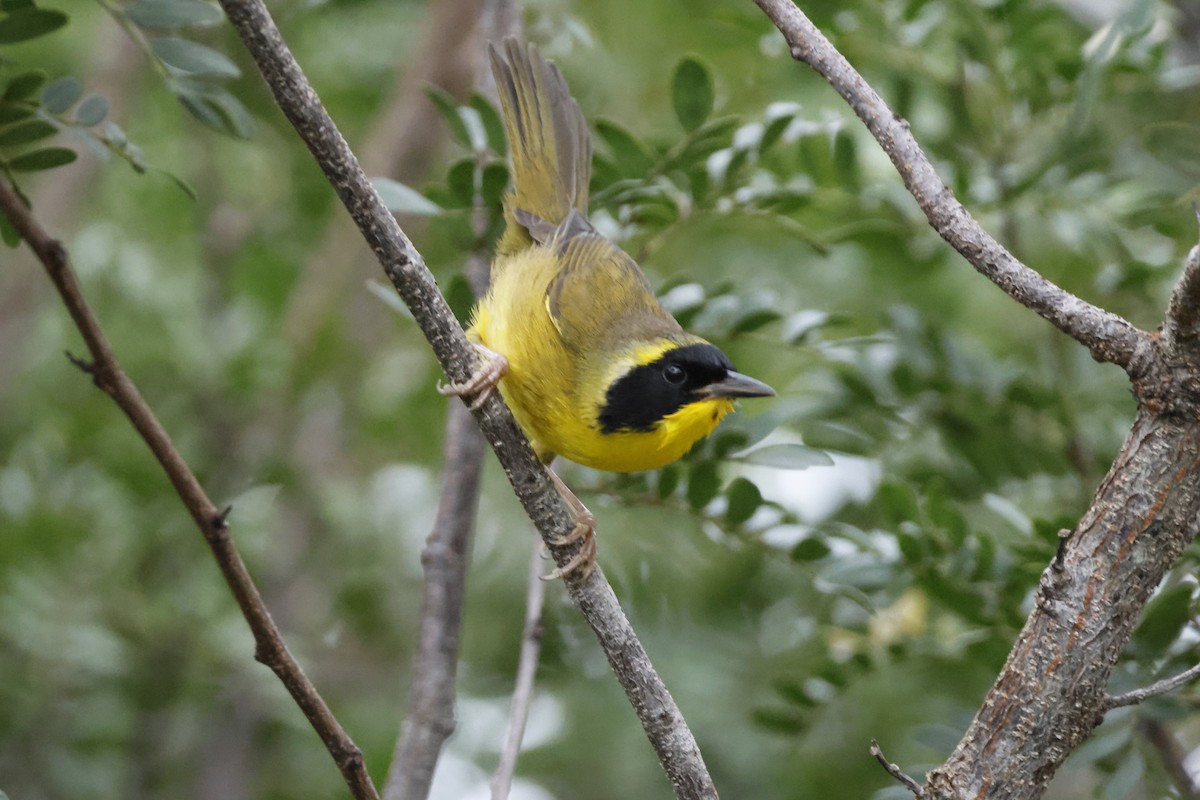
850	561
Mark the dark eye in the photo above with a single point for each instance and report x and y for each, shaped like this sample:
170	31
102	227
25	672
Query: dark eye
674	374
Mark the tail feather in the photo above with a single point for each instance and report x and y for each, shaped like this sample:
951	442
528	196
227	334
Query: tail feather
548	139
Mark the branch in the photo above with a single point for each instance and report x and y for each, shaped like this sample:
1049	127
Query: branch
1050	695
108	375
531	648
1107	336
430	718
895	771
660	717
1164	686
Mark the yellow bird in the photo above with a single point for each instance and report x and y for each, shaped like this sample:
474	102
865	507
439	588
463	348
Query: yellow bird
593	368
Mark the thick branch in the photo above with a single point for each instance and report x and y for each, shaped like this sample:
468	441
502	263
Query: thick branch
108	375
1107	336
660	717
1051	693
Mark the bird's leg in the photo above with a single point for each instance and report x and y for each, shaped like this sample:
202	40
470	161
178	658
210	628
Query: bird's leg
482	382
585	529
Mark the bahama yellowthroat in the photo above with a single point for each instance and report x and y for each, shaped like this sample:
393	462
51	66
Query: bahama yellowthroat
594	369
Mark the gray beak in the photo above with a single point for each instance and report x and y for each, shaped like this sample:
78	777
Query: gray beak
735	384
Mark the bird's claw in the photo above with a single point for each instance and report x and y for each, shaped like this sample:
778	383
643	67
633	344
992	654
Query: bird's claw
584	532
482	383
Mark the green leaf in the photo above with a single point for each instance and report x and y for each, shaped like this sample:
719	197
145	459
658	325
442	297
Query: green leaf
30	23
837	436
26	132
492	124
24	85
773	130
631	157
668	481
786	456
216	108
703	484
744	499
810	548
1164	618
193	58
403	199
59	95
12	112
461	180
460	297
47	158
495	181
173	14
692	92
448	110
753	320
92	111
9	235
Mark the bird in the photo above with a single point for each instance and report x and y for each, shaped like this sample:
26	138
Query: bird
593	367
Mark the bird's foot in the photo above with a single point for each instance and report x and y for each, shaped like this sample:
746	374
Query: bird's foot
483	382
584	532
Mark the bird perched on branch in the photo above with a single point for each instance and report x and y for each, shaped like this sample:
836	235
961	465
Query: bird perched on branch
594	369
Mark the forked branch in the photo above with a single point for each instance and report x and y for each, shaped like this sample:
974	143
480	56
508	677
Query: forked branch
1107	336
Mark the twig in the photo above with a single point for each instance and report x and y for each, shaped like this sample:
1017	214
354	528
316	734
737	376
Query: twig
895	771
531	648
660	717
1171	755
430	718
1153	690
1107	336
108	375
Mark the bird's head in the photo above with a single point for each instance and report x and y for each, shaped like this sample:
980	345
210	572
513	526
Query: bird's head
682	388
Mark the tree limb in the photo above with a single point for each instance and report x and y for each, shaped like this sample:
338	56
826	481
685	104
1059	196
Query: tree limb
1051	695
531	648
108	375
660	717
1107	336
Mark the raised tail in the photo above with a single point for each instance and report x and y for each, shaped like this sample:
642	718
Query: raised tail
548	139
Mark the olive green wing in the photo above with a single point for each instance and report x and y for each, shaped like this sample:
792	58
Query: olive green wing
601	293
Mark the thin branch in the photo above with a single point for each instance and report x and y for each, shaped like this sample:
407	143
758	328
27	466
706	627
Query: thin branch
1107	336
108	375
430	718
1164	686
660	717
1171	755
895	771
531	648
